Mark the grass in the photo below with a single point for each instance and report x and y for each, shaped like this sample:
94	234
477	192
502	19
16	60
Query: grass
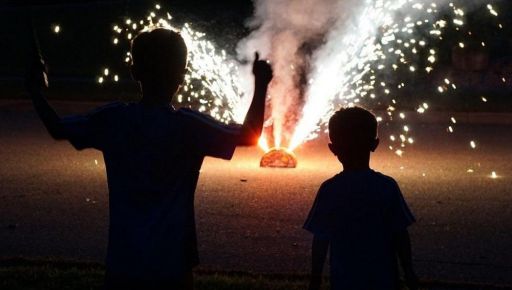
48	275
21	274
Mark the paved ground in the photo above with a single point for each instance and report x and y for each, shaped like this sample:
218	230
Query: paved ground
53	200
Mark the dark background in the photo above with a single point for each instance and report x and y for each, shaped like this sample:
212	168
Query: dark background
78	53
85	41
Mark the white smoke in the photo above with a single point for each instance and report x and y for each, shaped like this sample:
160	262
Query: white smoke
340	37
281	28
341	61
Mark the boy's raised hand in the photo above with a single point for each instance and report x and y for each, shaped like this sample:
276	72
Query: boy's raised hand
262	70
36	76
253	123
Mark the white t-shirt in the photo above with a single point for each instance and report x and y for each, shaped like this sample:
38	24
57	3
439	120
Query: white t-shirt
153	156
358	212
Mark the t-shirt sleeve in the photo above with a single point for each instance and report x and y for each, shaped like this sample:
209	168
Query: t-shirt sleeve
319	220
401	215
89	130
211	137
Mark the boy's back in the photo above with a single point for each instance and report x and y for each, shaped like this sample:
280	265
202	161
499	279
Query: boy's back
153	156
358	212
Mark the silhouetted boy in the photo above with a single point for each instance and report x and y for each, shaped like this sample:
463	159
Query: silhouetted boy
359	214
153	154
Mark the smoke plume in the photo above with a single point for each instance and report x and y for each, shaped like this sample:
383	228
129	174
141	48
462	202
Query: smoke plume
287	33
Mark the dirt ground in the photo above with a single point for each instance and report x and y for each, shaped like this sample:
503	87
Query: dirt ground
54	203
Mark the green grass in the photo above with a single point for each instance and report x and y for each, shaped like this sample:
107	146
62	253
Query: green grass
21	274
74	276
49	277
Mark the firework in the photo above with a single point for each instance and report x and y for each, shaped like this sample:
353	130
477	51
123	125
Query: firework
212	84
56	28
371	62
396	38
279	158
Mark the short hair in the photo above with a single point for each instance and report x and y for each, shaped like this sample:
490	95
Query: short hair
159	53
354	125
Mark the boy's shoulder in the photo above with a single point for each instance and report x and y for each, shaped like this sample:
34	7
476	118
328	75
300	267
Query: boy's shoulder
385	179
193	114
198	119
347	178
109	108
196	115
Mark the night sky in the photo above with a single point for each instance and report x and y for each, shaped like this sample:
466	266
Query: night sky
85	38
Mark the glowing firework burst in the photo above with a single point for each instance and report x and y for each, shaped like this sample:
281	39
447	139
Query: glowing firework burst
279	158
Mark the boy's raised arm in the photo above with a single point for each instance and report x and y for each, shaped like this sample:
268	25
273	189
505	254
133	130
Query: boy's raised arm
253	123
318	256
35	80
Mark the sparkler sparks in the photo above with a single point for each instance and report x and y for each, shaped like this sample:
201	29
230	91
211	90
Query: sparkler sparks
401	44
212	83
56	28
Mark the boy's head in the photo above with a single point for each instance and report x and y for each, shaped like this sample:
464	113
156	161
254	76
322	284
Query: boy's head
159	59
353	134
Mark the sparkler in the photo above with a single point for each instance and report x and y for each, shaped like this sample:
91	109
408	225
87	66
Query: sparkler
395	39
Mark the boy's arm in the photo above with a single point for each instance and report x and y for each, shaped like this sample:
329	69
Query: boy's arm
403	249
212	138
318	256
35	81
48	115
253	123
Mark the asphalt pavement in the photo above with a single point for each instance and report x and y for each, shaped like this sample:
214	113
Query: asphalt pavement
54	203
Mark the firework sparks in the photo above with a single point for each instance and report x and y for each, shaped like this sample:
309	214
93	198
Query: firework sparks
56	28
212	83
354	72
353	67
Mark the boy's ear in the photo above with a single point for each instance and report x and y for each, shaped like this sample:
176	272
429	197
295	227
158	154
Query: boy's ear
375	144
333	149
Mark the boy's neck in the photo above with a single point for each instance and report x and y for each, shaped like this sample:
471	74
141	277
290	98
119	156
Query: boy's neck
355	167
152	96
153	101
357	164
